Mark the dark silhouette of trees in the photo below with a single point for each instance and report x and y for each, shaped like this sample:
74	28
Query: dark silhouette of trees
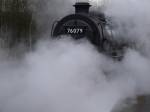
16	20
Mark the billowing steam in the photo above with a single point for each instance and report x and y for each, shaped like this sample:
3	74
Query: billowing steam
72	76
131	18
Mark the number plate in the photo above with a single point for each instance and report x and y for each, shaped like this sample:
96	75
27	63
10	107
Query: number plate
75	29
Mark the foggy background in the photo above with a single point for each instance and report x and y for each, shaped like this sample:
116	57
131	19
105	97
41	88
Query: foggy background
71	76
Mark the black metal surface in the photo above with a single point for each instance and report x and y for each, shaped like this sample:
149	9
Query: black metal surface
82	7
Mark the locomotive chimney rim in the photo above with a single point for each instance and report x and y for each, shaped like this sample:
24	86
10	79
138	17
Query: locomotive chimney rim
82	7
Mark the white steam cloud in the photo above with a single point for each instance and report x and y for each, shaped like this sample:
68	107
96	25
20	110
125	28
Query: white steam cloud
131	18
66	76
72	76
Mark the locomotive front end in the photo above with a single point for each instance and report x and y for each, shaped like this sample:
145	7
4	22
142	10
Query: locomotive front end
79	25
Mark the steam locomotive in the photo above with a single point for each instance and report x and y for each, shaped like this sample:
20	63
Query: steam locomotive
94	27
90	25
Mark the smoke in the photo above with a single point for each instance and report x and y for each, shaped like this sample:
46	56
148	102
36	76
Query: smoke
59	76
46	12
64	75
131	20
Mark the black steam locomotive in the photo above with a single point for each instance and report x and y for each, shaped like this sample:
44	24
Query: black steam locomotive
91	25
94	27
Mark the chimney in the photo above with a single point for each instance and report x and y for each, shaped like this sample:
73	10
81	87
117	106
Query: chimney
82	7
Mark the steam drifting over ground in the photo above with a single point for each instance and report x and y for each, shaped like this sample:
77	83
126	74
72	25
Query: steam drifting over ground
71	76
65	76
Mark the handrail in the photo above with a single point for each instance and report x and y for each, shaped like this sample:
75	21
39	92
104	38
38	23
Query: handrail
53	26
